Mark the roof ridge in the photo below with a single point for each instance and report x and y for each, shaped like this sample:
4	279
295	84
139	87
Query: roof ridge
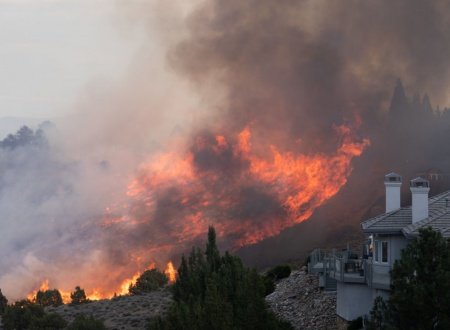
438	197
412	227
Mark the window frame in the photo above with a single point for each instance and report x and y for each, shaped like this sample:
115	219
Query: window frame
378	251
382	245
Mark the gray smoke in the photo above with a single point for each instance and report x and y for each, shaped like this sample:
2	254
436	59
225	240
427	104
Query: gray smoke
289	69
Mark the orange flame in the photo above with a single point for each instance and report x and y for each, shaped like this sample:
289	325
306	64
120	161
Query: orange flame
300	183
43	287
292	186
170	272
93	294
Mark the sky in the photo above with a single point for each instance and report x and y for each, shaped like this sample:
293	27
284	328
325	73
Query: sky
50	51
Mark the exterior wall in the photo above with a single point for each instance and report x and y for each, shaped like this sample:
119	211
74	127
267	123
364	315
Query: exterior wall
397	243
354	300
380	276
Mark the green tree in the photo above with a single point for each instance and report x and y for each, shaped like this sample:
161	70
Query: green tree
3	302
149	280
212	252
21	314
379	315
49	298
217	292
50	321
78	296
82	322
420	286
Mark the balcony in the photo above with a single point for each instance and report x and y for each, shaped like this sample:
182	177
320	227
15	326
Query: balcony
348	268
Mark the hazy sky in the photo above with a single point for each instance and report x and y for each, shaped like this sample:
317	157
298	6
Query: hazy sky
50	50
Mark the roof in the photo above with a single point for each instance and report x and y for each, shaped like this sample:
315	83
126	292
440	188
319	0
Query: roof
400	221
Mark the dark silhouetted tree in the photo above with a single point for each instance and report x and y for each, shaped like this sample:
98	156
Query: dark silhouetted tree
21	314
149	280
217	292
49	298
3	302
420	287
78	296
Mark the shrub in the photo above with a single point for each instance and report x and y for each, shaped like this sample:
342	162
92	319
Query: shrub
356	324
50	321
149	280
279	272
78	296
269	284
49	298
21	314
82	322
3	302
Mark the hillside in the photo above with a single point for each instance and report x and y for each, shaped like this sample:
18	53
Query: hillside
298	300
123	312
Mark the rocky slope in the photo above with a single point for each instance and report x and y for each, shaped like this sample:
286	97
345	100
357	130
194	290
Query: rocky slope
298	300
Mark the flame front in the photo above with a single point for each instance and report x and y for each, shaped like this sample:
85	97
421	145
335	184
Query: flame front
247	190
246	196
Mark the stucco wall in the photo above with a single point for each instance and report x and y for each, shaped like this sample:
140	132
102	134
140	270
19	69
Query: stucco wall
353	300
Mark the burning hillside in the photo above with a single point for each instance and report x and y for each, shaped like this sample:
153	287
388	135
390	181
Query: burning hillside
222	181
241	121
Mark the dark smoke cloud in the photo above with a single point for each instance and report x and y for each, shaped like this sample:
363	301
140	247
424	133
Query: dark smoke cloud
289	69
297	67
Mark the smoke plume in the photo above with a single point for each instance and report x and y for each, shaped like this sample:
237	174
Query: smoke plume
253	116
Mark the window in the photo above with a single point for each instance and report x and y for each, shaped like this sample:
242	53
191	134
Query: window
381	252
384	251
377	249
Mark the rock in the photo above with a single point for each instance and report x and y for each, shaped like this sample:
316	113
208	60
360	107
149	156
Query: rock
298	300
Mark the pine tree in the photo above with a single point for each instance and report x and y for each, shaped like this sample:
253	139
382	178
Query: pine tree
78	296
420	287
3	302
49	298
212	252
217	293
420	296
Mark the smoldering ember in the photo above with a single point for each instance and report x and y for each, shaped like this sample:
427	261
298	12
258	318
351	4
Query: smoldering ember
230	164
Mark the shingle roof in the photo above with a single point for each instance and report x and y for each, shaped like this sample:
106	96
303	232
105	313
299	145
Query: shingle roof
400	221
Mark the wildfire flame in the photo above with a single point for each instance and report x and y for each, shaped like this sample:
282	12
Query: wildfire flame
296	184
97	293
43	287
170	272
226	181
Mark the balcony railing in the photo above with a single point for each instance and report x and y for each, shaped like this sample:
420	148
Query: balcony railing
345	267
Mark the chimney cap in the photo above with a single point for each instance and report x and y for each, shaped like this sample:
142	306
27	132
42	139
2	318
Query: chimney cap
419	183
392	177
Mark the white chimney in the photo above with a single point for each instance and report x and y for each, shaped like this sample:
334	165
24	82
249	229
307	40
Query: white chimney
419	190
392	182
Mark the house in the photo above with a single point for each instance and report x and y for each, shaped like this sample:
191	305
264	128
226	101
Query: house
360	279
